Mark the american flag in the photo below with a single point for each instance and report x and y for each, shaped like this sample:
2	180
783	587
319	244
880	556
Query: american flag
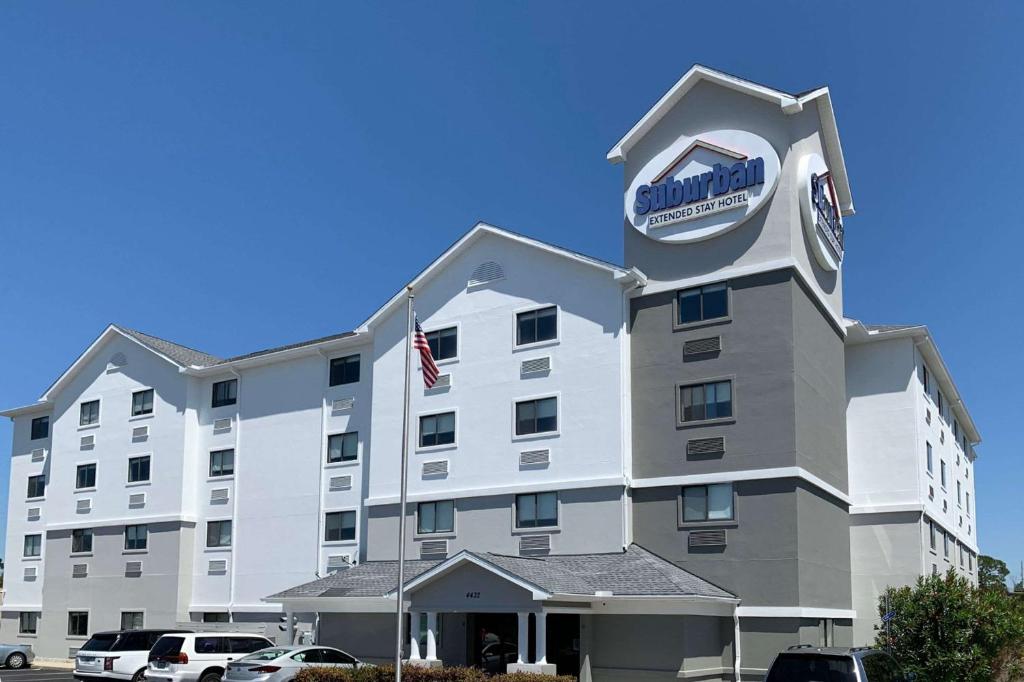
427	364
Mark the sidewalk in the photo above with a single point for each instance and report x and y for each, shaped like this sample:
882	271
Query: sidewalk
54	663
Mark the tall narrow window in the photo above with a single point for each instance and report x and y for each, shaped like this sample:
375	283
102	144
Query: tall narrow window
942	473
33	545
40	428
224	393
959	493
967	503
536	416
435	517
339	526
343	447
138	469
938	405
222	462
444	343
703	303
537	510
437	429
700	402
85	476
36	486
708	502
81	540
945	544
142	402
28	622
928	454
925	379
534	326
218	533
931	535
89	413
344	370
136	536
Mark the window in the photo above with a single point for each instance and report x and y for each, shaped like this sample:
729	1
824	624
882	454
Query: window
142	402
138	469
40	428
970	561
930	462
535	326
435	517
344	370
708	502
339	526
36	486
78	623
216	617
136	537
28	622
942	473
702	303
131	620
225	393
89	413
537	510
536	416
931	493
437	429
333	657
938	404
925	379
959	493
85	476
81	540
967	503
246	645
33	545
961	551
444	344
700	402
218	533
222	462
343	447
945	544
931	535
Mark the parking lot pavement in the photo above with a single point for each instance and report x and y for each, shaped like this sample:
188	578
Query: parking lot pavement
35	675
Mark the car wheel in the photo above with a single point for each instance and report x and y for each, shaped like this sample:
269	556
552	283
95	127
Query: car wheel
16	661
210	677
139	676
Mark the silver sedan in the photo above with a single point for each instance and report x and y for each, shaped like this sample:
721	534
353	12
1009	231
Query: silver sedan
281	663
15	656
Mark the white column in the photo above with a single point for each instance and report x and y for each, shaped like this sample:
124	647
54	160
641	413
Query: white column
290	626
414	636
541	644
524	636
431	636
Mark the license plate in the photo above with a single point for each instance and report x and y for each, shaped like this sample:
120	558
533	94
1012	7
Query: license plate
160	664
86	659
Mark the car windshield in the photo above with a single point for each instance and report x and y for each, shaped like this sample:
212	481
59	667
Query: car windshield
811	668
265	655
100	642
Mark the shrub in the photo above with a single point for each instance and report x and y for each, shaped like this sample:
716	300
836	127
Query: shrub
412	673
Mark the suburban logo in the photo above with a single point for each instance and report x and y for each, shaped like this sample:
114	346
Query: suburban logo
702	186
819	208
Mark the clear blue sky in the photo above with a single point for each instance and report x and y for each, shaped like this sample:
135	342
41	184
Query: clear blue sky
237	175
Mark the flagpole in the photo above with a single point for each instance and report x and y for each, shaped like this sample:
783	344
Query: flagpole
400	610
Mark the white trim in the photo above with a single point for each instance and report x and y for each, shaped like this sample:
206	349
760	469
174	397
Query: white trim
793	612
886	508
534	307
124	520
537	435
436	412
744	475
324	542
542	486
465	557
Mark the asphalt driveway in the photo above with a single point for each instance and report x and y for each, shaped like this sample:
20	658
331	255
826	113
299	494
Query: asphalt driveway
36	675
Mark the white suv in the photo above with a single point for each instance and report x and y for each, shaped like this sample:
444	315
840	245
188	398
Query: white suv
199	657
116	655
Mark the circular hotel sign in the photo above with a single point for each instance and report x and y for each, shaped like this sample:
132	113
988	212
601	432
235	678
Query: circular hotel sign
702	186
819	211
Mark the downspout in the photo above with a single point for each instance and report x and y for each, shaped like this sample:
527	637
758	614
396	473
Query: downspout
320	464
234	500
736	639
625	397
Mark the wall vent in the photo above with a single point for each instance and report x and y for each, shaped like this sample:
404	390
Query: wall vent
84	506
87	442
116	362
38	455
133	568
337	562
342	404
443	381
137	500
486	272
706	538
140	433
217	566
534	458
433	549
80	570
705	446
535	366
31	572
341	483
218	496
34	513
222	425
712	344
534	544
436	468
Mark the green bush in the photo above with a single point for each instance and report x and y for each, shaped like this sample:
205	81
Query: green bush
412	673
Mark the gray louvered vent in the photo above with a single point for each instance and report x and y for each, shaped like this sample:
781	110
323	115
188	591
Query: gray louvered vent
87	442
342	404
341	483
536	365
433	549
219	495
436	468
534	544
133	568
117	361
486	272
337	562
136	500
706	538
38	455
534	458
217	566
84	506
706	446
34	513
79	570
443	381
31	572
712	344
222	425
140	433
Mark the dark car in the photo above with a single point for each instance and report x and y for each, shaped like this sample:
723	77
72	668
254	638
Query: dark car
496	656
806	663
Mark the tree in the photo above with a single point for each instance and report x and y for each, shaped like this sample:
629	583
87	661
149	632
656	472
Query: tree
992	573
945	630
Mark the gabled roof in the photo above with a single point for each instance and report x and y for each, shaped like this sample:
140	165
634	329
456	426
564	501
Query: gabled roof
789	103
182	355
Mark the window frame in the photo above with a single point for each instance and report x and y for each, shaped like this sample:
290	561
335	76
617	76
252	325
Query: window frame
78	612
220	535
99	413
733	402
343	461
95	470
38	546
341	358
221	476
142	615
355	526
516	402
933	542
149	469
516	528
223	402
32	436
84	533
458	342
929	461
152	403
35	623
516	345
420	447
676	309
28	492
145	537
683	522
436	533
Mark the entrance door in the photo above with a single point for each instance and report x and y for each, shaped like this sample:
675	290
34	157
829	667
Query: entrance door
564	642
492	641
